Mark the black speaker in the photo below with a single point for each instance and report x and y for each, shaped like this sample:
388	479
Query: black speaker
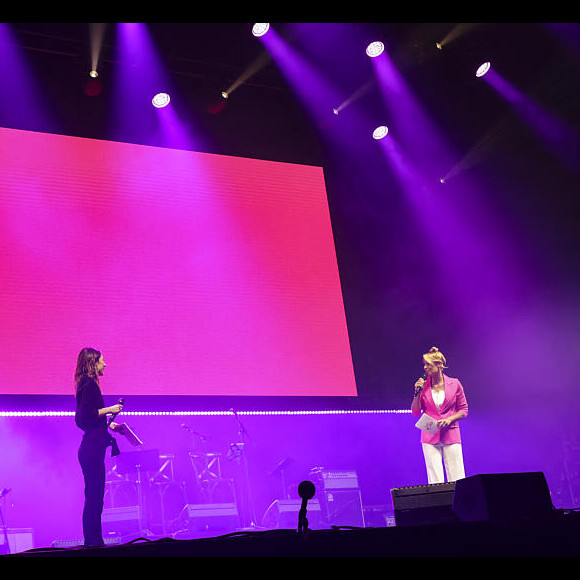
423	504
502	496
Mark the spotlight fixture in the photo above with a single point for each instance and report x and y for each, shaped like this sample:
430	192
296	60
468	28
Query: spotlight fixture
483	69
375	48
225	94
260	29
160	100
93	74
380	132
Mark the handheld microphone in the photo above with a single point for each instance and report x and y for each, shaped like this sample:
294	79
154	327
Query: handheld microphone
419	389
121	400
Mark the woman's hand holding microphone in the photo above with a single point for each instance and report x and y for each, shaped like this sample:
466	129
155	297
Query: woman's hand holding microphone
419	385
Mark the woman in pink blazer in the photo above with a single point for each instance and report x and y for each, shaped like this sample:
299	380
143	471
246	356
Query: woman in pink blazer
442	398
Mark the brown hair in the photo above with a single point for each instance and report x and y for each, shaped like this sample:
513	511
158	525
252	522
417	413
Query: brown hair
435	356
87	365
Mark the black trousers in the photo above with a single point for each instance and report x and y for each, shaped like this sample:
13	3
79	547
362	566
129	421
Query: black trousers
91	456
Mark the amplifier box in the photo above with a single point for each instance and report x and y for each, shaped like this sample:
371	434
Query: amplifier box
343	479
344	507
210	516
283	514
424	504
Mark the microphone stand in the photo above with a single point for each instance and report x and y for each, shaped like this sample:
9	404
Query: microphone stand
306	490
246	474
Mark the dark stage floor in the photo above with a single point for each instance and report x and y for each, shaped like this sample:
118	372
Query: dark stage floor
553	536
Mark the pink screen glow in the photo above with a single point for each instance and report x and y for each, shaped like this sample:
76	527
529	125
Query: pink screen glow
193	273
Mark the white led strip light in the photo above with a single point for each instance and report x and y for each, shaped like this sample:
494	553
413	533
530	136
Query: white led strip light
209	413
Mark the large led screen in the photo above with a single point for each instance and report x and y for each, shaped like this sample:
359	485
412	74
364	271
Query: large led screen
193	273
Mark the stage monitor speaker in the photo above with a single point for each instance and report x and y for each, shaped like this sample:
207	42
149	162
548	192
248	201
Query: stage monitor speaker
121	520
418	505
283	514
502	496
210	517
19	540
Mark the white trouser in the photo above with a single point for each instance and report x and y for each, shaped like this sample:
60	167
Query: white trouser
438	454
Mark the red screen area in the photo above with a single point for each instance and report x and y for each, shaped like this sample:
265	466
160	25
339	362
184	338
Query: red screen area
193	273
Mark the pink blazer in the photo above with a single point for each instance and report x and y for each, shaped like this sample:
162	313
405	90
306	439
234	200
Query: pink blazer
454	401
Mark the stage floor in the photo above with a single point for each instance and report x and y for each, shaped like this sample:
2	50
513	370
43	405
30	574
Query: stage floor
553	536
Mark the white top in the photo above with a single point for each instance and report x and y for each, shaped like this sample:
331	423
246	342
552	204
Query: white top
438	397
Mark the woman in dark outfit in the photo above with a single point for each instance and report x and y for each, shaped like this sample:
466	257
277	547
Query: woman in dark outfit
91	417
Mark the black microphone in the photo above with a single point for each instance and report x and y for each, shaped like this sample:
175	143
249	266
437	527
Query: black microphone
121	400
306	491
419	389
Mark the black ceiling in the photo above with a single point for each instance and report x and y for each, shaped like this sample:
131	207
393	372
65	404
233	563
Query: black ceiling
206	57
266	119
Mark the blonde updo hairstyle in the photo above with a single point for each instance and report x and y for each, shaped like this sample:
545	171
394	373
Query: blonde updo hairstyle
435	356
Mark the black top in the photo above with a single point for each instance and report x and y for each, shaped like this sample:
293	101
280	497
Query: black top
87	418
89	401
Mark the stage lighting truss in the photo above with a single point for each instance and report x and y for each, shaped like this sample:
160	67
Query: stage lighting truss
161	100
